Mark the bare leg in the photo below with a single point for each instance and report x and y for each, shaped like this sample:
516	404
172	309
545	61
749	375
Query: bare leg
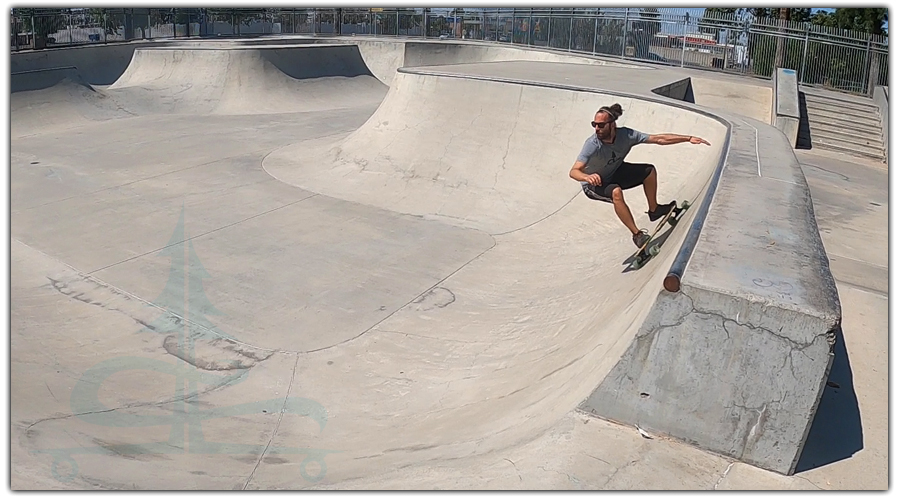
650	190
623	211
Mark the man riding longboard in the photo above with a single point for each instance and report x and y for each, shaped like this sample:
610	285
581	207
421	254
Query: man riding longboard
603	172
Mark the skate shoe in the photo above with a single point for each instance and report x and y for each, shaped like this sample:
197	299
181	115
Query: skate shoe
640	238
660	211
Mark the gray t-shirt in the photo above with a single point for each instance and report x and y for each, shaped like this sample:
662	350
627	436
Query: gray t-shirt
605	159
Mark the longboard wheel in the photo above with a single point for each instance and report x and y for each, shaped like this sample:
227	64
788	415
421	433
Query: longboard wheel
639	261
653	251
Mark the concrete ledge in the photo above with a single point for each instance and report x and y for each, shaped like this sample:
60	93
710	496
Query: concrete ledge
881	100
786	103
735	360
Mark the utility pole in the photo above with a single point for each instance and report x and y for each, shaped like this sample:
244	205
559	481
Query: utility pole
784	16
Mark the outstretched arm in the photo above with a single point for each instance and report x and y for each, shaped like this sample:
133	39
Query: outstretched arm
666	139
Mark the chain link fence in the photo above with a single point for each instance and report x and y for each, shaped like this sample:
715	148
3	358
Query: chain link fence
842	60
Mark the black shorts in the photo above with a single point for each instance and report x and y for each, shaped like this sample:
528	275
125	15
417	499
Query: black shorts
627	176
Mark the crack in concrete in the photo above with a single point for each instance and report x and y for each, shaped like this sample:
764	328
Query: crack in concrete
598	458
569	476
794	344
506	152
722	477
516	468
395	311
51	392
814	485
619	469
277	424
184	398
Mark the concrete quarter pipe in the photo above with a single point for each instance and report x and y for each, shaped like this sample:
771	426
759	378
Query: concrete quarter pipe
392	276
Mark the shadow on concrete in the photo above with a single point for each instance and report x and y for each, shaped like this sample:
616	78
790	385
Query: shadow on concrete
836	432
804	136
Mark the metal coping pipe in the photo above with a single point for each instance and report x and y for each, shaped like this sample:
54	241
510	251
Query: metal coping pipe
43	70
672	281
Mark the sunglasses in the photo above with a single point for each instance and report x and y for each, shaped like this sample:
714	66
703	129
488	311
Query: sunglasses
600	124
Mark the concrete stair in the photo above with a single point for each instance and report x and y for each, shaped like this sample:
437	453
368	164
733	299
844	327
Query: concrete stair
844	124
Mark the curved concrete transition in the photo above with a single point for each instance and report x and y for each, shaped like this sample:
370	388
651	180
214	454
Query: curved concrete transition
269	266
495	156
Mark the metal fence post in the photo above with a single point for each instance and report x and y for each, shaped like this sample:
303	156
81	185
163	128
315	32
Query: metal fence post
571	29
529	38
684	37
550	29
594	45
867	87
805	52
625	32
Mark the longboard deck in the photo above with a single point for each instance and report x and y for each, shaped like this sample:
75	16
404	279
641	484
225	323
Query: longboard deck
650	250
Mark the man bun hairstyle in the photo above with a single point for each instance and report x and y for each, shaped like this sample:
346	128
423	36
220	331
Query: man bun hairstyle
615	111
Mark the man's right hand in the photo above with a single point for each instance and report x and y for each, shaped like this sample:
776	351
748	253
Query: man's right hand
593	179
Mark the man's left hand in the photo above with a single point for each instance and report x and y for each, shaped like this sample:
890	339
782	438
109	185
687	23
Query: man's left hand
698	140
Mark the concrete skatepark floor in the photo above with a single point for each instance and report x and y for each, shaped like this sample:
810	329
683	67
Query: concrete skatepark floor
334	297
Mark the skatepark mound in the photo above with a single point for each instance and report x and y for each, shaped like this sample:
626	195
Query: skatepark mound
25	81
198	81
246	80
51	100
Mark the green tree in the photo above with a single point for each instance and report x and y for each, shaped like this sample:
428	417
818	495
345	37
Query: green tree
823	18
865	20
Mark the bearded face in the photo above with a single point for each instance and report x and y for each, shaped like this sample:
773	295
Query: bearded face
604	125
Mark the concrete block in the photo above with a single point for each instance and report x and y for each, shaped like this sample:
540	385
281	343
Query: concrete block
702	371
786	103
